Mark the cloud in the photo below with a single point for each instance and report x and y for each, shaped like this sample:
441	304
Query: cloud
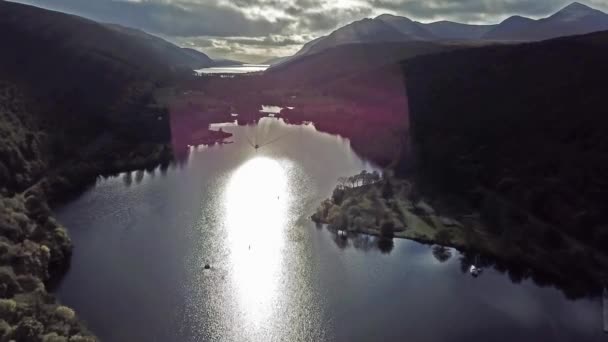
256	29
250	49
170	18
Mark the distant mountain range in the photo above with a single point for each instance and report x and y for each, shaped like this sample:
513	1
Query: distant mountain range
574	19
225	62
275	60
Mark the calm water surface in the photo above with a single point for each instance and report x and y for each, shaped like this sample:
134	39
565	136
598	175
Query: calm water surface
236	69
142	240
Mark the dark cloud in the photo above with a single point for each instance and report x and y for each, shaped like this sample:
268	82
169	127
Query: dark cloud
205	18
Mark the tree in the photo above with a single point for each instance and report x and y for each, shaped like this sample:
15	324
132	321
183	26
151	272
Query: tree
352	181
375	176
338	196
387	189
364	177
387	230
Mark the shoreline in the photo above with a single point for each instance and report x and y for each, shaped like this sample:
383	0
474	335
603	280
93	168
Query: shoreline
36	249
398	213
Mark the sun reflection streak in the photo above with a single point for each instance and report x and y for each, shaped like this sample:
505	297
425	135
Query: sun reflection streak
256	204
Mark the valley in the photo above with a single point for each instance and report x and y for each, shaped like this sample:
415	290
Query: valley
138	176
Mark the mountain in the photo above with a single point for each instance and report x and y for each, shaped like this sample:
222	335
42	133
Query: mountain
305	50
360	57
275	60
448	30
358	32
411	29
516	124
362	31
574	19
170	53
509	28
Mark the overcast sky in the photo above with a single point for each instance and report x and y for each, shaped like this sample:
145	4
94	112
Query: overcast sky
254	30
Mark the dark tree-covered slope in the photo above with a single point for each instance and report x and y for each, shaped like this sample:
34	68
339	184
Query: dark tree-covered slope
526	123
69	83
171	54
76	101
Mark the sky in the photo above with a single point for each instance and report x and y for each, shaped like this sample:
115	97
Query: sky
256	30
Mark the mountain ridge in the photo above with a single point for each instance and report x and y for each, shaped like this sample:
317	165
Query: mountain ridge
173	54
573	19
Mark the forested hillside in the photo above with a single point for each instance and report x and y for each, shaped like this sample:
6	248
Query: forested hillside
524	125
76	101
66	82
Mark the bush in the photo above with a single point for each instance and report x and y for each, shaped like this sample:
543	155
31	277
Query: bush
64	313
338	196
80	338
53	337
7	308
28	329
5	329
29	283
8	283
36	206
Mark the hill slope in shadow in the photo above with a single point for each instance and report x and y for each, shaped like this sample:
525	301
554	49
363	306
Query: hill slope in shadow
76	101
520	124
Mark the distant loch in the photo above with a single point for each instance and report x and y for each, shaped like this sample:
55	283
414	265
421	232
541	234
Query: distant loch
234	69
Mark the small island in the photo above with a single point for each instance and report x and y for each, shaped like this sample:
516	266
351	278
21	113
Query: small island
384	206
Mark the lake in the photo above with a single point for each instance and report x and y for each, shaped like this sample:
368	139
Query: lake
142	241
235	69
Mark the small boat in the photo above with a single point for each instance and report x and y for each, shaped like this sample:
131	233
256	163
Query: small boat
475	271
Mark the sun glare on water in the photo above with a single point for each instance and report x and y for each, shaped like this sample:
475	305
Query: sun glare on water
256	203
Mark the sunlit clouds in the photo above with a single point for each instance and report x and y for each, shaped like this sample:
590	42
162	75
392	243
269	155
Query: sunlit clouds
256	30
